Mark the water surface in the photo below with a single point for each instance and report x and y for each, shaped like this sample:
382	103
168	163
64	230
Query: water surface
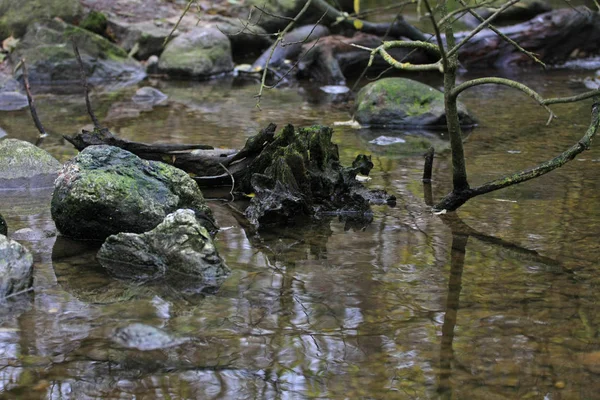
498	303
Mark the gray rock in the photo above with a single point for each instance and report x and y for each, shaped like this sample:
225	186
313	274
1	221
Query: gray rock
404	102
49	53
16	267
15	16
9	84
244	41
149	96
105	190
180	248
25	166
147	37
199	53
10	101
292	45
145	337
3	227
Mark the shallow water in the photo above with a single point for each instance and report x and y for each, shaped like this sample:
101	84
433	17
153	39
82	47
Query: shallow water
410	306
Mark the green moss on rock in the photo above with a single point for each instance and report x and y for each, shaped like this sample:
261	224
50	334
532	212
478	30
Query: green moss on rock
15	16
404	102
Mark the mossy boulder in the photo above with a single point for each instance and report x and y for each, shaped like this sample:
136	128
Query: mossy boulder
179	247
199	53
48	49
16	267
105	190
400	102
15	16
95	21
25	166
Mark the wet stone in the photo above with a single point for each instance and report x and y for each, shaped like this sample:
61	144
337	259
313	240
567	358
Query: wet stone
16	267
145	337
179	249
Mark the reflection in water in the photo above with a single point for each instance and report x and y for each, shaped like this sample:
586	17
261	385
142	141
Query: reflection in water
409	306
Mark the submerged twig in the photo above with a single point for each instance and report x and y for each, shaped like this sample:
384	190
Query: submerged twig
232	181
428	165
34	116
86	87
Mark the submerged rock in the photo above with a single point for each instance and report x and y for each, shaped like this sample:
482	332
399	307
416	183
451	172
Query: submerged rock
404	102
149	96
10	101
15	16
300	174
48	49
199	53
25	166
179	247
3	227
145	337
105	190
16	267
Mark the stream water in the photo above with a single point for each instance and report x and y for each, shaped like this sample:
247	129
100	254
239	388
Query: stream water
410	306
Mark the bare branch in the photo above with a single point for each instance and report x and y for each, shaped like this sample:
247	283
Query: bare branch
438	35
274	46
86	87
34	116
457	198
506	38
481	27
187	8
506	82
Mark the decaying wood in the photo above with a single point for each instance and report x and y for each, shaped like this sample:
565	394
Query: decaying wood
553	36
202	162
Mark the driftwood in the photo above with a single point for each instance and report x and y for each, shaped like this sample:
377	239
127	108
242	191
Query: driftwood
553	36
206	165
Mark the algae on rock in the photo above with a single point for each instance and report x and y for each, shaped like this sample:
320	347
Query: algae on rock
105	190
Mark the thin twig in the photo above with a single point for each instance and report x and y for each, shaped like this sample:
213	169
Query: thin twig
86	87
36	120
428	167
481	27
187	8
232	181
506	38
440	48
273	47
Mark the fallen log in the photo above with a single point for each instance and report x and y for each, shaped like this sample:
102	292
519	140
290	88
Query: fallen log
208	166
553	36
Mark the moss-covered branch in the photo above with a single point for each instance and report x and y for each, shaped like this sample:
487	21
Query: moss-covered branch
458	197
505	82
382	51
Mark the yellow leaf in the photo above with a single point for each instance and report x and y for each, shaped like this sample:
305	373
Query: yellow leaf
251	195
357	7
358	24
